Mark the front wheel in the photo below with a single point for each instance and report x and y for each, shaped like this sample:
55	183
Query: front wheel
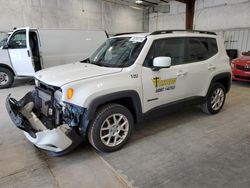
215	99
111	128
6	78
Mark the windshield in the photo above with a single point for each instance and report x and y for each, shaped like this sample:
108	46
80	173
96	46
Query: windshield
117	52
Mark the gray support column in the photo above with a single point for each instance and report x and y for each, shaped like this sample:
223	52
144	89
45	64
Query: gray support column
146	20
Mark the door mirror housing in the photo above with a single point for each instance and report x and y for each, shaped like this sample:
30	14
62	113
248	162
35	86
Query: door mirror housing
5	45
161	62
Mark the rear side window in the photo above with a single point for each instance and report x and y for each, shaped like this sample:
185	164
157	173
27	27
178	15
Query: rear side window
213	47
200	49
182	50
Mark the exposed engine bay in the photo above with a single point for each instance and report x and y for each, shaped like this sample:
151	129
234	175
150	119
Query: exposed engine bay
47	122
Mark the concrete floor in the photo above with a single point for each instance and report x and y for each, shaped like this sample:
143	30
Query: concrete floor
182	149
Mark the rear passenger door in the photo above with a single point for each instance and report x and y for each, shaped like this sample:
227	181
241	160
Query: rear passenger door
199	65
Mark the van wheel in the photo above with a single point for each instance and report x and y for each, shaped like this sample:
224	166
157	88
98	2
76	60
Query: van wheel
6	78
111	128
215	99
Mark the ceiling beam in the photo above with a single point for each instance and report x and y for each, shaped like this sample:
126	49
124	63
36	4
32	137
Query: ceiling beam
190	8
149	2
165	1
182	1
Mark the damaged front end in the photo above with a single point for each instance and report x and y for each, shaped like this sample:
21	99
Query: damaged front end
46	121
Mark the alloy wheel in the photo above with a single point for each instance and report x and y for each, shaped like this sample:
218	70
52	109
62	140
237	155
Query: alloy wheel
4	78
114	130
217	99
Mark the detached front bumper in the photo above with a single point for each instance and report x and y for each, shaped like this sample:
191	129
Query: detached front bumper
56	141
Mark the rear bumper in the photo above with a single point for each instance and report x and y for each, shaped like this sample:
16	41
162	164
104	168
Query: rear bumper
57	141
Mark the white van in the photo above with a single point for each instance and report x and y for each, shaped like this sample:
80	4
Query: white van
29	50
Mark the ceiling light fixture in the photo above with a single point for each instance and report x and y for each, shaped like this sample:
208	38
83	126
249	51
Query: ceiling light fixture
138	8
138	1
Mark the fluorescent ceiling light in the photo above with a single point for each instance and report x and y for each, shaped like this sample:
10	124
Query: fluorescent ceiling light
138	8
138	1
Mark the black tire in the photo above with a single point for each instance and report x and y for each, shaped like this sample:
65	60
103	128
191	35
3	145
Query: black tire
207	107
103	116
6	78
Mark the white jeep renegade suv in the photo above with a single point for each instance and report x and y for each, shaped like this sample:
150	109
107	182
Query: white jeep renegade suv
128	78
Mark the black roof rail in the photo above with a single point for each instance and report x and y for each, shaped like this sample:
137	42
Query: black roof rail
179	30
129	33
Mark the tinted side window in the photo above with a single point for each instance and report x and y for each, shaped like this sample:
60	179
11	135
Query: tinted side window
170	47
197	50
182	50
200	49
213	47
18	40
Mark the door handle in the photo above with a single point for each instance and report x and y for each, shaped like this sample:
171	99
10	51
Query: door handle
181	74
211	67
28	52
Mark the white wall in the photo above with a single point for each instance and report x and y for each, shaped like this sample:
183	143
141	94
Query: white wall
222	14
97	15
236	39
173	20
209	15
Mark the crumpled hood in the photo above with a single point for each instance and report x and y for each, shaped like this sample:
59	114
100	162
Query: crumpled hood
63	74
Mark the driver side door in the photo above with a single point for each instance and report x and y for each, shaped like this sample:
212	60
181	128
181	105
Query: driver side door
167	84
20	53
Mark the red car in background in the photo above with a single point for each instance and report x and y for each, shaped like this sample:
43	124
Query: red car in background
241	67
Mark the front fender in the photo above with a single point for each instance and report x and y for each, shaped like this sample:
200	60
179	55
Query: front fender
131	94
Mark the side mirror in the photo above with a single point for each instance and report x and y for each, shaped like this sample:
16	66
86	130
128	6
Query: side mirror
244	53
161	62
5	45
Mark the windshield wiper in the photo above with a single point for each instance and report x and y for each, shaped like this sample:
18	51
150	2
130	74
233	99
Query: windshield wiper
98	63
85	61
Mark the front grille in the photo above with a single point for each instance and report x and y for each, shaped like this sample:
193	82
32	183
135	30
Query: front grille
243	68
47	87
45	101
45	93
242	77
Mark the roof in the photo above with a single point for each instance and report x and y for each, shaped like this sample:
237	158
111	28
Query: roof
189	31
131	35
166	32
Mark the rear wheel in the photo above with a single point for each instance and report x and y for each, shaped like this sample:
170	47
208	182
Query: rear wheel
111	128
215	99
6	78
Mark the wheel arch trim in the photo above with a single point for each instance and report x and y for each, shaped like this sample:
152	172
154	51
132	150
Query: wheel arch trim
225	75
130	94
2	65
